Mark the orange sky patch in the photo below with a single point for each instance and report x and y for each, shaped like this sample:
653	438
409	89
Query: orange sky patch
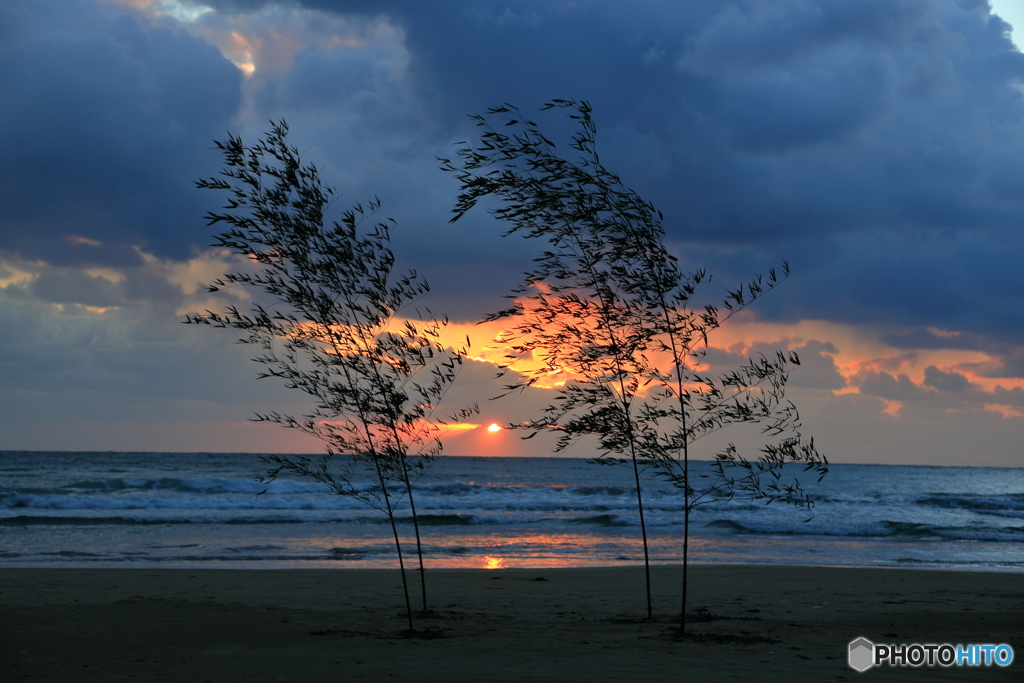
1005	411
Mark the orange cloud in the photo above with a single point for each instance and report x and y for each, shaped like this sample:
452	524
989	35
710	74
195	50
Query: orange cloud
859	352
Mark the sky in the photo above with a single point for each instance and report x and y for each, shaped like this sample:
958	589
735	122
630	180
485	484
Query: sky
876	146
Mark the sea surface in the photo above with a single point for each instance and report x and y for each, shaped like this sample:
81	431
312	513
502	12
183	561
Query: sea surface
202	510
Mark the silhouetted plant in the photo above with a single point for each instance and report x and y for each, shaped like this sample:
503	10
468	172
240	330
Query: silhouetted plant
607	302
332	329
570	308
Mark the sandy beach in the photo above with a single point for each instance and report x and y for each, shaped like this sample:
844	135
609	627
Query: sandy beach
759	623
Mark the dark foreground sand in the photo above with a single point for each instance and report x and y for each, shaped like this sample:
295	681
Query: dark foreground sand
505	625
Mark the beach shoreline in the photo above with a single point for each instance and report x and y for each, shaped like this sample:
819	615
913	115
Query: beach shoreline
764	621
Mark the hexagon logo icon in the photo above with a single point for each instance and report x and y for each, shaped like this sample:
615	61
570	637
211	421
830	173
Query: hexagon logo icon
862	654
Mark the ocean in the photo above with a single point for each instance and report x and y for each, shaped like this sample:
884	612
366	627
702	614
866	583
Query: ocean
202	510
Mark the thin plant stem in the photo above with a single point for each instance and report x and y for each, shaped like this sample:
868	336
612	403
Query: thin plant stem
643	533
416	527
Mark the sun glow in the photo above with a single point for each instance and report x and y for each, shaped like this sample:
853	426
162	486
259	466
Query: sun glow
494	562
494	427
453	428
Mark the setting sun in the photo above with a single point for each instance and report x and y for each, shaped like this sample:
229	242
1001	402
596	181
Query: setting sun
494	427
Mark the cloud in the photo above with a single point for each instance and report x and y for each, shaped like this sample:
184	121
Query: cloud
817	369
1009	365
866	143
101	353
924	338
876	146
748	36
945	381
940	391
113	116
871	144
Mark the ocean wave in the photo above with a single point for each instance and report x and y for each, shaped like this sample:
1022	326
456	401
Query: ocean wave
209	501
600	520
440	520
611	491
875	503
133	509
1006	505
95	520
884	529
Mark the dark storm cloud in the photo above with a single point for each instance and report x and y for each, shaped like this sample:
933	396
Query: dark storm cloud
927	339
106	121
876	145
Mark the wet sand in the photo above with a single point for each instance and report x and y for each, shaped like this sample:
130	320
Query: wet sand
750	623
